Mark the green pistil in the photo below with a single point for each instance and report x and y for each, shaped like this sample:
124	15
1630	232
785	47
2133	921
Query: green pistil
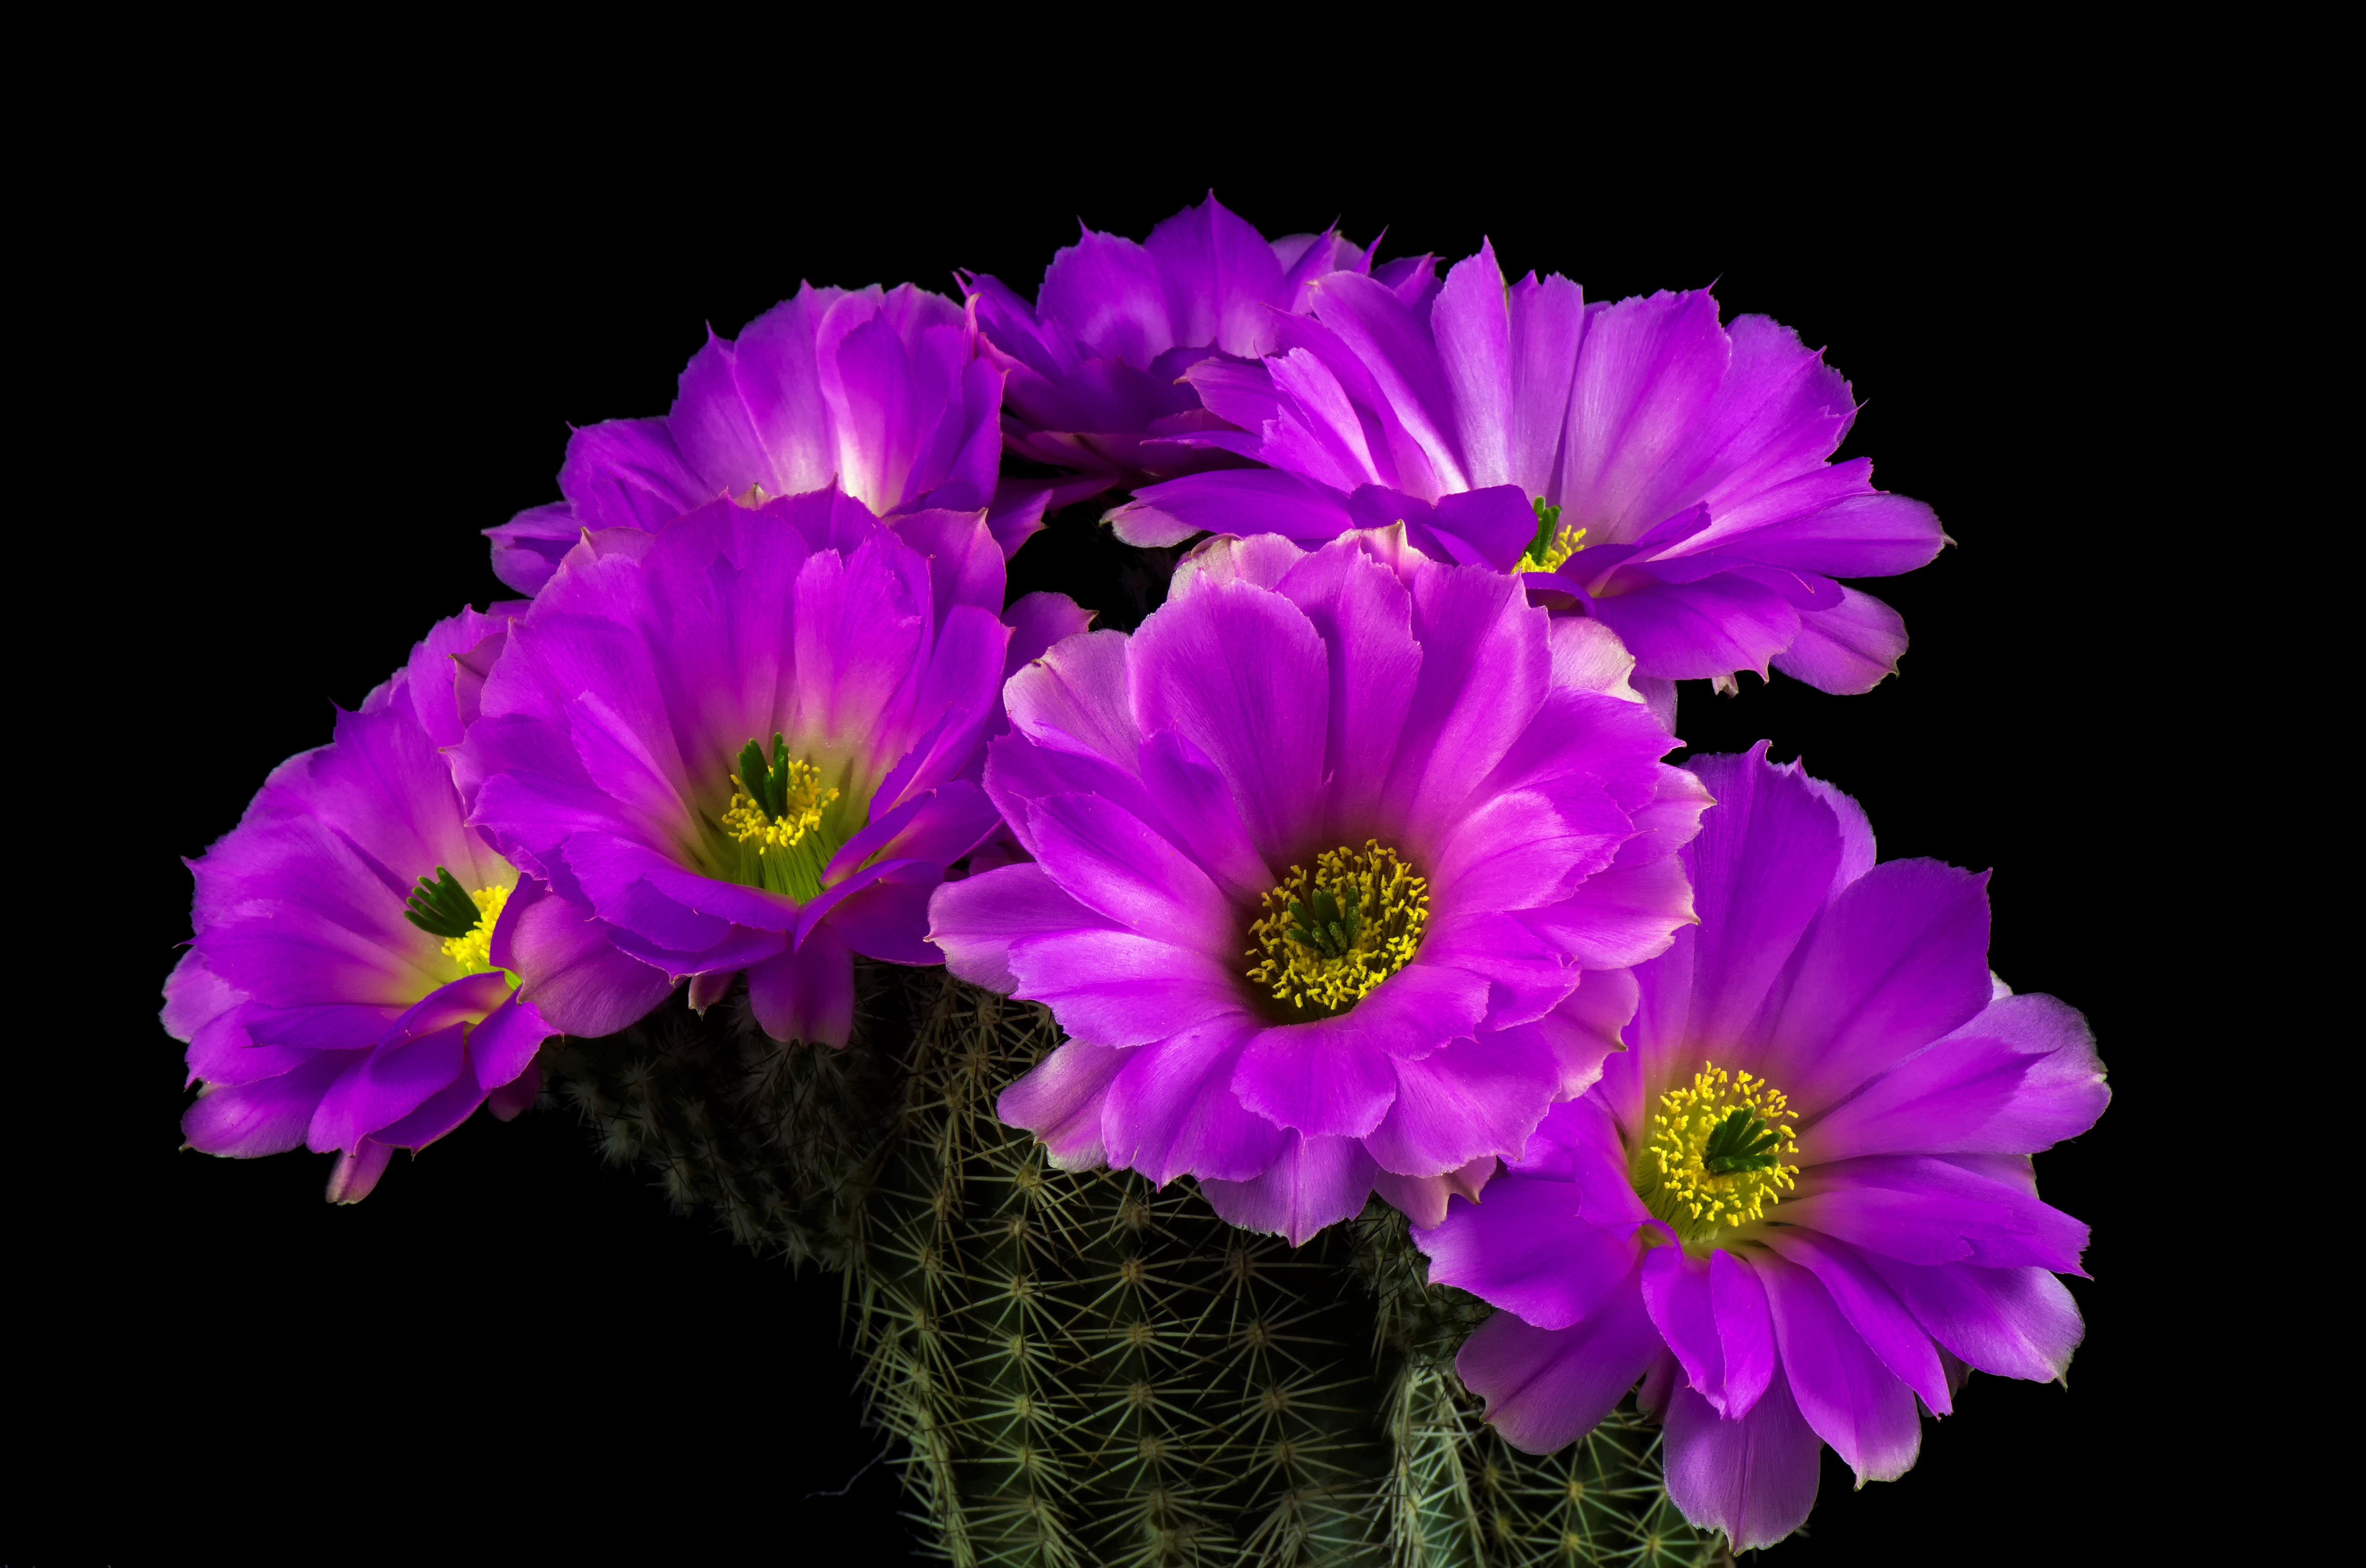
441	907
1548	524
776	819
1553	544
768	782
1740	1142
1323	925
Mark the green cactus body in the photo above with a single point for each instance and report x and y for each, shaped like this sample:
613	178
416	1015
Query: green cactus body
1082	1370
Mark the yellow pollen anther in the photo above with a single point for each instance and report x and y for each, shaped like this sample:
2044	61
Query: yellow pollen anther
473	952
1325	941
1568	542
1710	1160
746	821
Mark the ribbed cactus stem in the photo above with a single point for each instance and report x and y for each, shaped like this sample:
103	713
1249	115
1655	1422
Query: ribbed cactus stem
1081	1371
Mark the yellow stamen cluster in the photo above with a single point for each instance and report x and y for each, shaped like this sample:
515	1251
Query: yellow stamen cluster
1326	940
747	821
473	952
1699	1174
1568	542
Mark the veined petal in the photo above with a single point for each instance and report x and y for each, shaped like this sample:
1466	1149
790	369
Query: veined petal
1118	987
1171	1110
1112	863
1888	1330
974	920
1848	649
1523	1247
1547	1387
1900	958
1312	1183
1754	1477
1316	1079
1918	1209
1241	673
2015	1322
1853	1402
1060	1102
1476	1097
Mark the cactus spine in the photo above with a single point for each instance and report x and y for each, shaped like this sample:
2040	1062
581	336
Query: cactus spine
1082	1370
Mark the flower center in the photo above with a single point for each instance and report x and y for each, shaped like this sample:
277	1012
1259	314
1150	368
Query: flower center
441	907
1325	940
775	817
1554	544
1712	1158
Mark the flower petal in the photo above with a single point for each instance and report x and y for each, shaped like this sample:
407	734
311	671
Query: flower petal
1479	1096
1848	649
1523	1247
1038	621
1647	370
1312	1183
1074	698
1107	861
807	992
1240	501
356	1172
1171	1110
974	920
1323	1080
1853	1402
1753	1478
1745	1331
1922	1210
1695	629
573	976
1900	958
267	1116
1871	1308
1365	618
1241	673
1060	1102
1547	1387
388	1085
2012	1322
1118	989
1763	868
1472	323
1197	813
1486	667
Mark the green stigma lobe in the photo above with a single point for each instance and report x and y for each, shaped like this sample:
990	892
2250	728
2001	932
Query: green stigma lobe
1548	524
1740	1142
441	907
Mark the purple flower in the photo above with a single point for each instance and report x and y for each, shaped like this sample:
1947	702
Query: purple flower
1096	365
1322	853
345	988
880	394
1803	1198
1638	463
750	740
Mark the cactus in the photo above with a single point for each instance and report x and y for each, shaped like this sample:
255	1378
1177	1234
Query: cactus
1080	1369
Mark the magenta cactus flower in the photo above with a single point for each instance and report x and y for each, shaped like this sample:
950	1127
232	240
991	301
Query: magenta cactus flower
1339	863
1801	1202
1096	364
350	986
1636	462
748	740
880	395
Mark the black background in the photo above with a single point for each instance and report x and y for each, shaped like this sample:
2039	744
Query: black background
356	357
